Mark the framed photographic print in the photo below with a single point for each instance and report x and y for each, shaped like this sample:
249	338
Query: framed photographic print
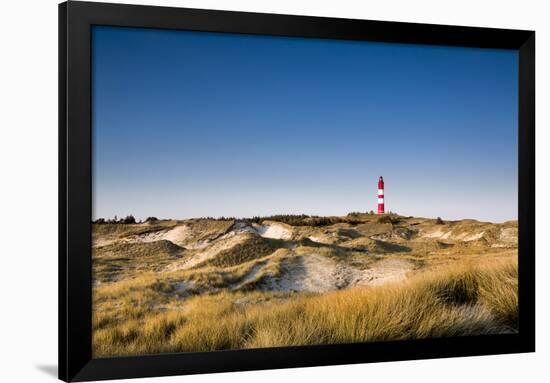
246	191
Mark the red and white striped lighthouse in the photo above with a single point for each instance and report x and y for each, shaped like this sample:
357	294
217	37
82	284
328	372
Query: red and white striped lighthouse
381	195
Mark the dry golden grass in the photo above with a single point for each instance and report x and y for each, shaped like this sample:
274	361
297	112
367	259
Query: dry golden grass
120	230
206	228
142	315
220	277
119	260
253	247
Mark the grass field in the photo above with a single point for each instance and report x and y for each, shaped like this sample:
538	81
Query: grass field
206	285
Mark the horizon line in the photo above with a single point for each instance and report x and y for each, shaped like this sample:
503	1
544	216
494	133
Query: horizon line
117	219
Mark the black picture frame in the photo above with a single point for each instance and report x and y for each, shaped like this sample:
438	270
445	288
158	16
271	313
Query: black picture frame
75	190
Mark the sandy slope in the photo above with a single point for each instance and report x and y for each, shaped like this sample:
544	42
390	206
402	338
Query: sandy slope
318	274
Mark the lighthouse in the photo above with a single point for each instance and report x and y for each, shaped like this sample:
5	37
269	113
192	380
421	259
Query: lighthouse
381	195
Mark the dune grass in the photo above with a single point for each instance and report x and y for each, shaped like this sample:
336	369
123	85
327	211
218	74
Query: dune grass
253	247
120	230
142	316
120	260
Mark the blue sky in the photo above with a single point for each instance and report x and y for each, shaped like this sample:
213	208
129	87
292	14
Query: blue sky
188	124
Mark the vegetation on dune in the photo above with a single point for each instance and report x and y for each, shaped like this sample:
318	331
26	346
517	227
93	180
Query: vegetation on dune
389	218
211	277
124	230
139	249
129	219
202	227
298	280
464	298
311	220
253	247
207	228
305	220
118	260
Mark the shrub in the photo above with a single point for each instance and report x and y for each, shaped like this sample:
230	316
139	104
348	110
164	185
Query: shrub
129	219
388	219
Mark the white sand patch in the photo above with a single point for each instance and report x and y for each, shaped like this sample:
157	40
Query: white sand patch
318	274
273	230
509	234
310	273
244	227
464	236
438	234
178	235
147	237
507	237
389	270
316	239
327	239
471	237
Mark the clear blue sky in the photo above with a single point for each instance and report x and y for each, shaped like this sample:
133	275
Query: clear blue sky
189	124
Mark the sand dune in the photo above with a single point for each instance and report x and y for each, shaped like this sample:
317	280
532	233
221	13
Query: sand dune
362	252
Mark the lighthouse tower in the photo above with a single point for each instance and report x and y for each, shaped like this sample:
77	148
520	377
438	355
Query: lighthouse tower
381	195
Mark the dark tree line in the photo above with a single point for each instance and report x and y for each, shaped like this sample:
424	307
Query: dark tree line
298	219
129	219
289	219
